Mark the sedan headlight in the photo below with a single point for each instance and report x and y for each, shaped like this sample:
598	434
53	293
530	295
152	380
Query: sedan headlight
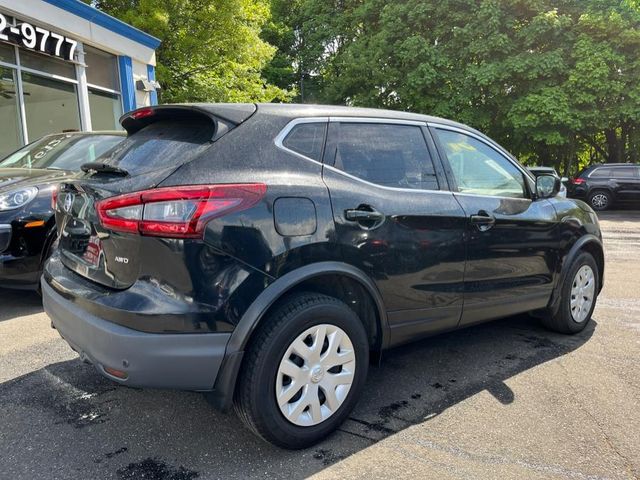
17	198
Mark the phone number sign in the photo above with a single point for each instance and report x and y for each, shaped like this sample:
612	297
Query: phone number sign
38	39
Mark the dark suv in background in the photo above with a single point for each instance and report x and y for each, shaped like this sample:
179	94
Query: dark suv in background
607	184
262	253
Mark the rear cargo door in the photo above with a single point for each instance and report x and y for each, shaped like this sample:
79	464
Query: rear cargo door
159	143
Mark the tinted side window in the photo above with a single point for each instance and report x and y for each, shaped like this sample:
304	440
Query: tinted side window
479	169
307	139
388	155
624	172
601	172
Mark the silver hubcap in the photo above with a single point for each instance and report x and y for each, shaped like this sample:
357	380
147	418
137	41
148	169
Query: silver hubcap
599	200
582	293
315	375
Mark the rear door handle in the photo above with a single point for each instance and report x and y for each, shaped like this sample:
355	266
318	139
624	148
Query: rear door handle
483	221
366	216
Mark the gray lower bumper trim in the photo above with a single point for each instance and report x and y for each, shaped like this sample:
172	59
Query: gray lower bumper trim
181	361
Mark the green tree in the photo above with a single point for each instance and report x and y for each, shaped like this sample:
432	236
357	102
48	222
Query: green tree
211	49
555	81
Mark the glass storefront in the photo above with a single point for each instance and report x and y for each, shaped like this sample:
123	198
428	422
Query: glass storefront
10	133
42	94
50	105
105	100
106	109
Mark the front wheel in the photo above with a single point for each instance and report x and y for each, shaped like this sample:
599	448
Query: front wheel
303	372
578	297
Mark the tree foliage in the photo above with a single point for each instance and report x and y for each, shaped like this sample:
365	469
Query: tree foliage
556	81
211	49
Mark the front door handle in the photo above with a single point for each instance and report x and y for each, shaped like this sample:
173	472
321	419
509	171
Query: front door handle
483	221
366	216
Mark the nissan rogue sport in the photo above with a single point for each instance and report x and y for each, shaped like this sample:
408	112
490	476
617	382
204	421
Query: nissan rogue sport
263	253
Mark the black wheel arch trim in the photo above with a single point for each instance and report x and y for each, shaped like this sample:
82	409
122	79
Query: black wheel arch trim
578	246
222	394
50	237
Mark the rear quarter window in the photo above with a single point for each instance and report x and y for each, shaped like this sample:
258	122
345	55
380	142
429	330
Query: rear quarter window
600	173
307	139
162	144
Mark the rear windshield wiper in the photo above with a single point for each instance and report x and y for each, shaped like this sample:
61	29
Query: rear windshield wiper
103	168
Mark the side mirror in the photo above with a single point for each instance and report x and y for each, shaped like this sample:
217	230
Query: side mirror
547	186
564	179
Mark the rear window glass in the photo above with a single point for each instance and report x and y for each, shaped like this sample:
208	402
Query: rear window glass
162	144
307	139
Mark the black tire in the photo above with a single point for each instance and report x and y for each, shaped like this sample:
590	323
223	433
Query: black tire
255	397
600	200
563	321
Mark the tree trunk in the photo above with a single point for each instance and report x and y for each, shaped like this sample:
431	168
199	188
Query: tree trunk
613	145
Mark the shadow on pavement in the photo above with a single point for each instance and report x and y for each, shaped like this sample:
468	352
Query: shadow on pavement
105	430
18	303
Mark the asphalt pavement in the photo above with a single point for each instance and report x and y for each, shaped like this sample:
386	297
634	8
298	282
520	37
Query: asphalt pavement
502	400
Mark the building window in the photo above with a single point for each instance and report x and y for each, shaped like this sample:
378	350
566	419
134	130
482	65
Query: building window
50	105
42	63
10	133
44	96
105	99
7	53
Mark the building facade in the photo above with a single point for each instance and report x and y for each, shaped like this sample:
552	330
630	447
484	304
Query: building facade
65	65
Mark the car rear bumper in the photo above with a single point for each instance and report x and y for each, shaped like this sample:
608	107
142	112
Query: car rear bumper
180	361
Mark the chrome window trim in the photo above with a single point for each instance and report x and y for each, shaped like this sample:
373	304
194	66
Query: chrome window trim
491	144
289	126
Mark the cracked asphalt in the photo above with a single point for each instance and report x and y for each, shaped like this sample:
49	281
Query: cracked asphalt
502	400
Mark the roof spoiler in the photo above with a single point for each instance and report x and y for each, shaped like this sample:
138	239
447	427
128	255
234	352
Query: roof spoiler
229	113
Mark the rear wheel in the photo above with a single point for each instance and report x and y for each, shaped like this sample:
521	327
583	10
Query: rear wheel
600	200
579	295
303	372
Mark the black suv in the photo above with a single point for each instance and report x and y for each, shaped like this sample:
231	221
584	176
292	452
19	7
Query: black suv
262	253
604	185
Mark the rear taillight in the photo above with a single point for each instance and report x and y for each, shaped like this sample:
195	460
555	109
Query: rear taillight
176	212
578	181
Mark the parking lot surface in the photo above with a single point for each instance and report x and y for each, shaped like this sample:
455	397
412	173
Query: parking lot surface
506	399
